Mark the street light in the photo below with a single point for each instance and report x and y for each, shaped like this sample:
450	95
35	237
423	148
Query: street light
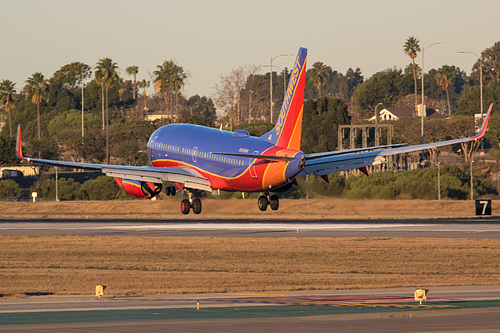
271	81
422	109
284	79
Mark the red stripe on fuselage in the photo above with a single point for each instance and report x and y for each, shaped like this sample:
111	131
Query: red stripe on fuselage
259	176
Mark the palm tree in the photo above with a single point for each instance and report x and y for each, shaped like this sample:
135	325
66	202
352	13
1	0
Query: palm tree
143	85
411	48
444	77
169	78
7	90
37	87
319	75
178	78
107	74
133	70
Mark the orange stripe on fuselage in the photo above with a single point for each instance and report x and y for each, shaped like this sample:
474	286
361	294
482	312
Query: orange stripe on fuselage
269	174
294	142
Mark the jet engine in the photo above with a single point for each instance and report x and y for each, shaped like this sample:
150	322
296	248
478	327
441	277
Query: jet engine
138	188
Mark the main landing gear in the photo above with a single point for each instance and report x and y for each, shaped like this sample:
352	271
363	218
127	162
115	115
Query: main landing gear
268	200
191	202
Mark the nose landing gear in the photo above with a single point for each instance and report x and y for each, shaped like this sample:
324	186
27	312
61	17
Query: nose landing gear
265	200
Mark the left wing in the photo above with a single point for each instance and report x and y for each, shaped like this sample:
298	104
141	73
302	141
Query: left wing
321	164
188	177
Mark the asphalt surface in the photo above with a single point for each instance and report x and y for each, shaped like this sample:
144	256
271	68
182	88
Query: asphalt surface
434	228
447	309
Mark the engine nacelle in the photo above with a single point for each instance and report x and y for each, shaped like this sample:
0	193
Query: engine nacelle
138	188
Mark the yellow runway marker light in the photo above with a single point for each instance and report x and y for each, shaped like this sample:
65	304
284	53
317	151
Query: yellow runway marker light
420	295
99	291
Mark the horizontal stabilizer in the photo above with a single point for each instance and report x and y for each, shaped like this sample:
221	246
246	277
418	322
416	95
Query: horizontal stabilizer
349	151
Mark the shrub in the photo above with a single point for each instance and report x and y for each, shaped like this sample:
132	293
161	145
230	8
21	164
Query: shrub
9	188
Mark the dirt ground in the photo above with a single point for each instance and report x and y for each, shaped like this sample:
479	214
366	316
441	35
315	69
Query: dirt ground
72	265
317	208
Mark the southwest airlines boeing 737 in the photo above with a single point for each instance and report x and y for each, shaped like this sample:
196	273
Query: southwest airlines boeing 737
193	158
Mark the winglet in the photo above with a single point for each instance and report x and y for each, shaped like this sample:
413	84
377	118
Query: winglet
19	147
484	125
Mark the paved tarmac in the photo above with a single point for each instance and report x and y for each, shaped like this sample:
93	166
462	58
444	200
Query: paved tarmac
447	309
434	228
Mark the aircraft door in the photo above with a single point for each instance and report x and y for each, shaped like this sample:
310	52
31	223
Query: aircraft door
253	172
194	153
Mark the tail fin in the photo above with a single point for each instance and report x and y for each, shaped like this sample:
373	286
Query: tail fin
19	147
288	129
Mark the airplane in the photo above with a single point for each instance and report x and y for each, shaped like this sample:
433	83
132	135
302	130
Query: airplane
195	158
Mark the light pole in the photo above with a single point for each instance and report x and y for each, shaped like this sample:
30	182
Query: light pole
271	81
376	125
422	109
439	180
284	79
471	179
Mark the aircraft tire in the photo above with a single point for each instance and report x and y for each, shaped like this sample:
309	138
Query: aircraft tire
274	202
185	206
262	202
196	206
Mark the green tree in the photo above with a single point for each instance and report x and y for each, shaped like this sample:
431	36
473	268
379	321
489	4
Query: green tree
68	189
163	80
7	91
169	77
319	74
178	80
37	87
411	47
200	111
354	78
384	87
133	70
444	78
102	188
107	72
320	122
9	188
469	102
7	150
65	85
143	85
491	65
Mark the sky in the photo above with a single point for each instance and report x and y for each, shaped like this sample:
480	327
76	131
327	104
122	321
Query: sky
210	38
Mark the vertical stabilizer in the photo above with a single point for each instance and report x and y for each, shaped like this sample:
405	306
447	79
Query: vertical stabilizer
288	129
19	147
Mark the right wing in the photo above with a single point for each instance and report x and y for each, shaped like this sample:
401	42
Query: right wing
321	164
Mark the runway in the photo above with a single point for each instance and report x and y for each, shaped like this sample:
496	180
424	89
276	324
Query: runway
433	228
447	309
